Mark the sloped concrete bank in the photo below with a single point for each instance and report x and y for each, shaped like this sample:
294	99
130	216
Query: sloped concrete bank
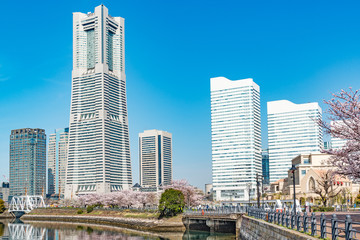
6	215
152	225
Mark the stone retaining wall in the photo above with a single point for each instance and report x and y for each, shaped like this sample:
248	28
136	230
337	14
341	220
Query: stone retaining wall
255	229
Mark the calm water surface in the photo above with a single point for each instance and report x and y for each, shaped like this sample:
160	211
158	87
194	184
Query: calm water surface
32	230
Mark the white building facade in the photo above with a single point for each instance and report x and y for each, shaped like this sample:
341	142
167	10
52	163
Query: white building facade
99	151
337	143
293	129
57	160
236	137
155	154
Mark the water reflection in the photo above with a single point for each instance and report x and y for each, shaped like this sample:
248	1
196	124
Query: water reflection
69	231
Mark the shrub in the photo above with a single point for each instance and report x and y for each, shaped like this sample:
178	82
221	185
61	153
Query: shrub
322	209
89	209
80	211
171	203
2	206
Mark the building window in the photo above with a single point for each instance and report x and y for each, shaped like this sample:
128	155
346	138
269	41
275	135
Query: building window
303	172
311	185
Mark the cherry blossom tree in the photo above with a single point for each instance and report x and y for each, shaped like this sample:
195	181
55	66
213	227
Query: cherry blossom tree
344	111
193	196
123	199
325	187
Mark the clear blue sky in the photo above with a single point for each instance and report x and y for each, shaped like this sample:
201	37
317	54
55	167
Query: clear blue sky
295	50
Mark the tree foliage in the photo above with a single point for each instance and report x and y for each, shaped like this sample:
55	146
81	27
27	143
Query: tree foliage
325	188
344	111
2	206
357	199
122	199
193	196
171	203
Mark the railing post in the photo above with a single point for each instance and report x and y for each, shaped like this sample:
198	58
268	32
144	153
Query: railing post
287	219
313	224
334	227
278	218
305	224
298	222
292	216
322	226
348	228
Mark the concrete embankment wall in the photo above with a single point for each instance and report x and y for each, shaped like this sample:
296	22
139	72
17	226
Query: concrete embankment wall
133	223
255	229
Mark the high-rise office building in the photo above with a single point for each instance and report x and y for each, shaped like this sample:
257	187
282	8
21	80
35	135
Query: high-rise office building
236	137
57	160
337	143
265	166
293	129
99	151
4	191
27	162
155	154
327	145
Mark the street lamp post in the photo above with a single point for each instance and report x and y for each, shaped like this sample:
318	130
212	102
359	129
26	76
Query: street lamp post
258	191
292	169
249	190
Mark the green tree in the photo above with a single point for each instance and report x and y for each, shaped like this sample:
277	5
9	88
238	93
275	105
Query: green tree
2	206
171	203
357	199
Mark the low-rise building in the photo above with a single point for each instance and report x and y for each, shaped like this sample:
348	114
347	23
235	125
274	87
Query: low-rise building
310	173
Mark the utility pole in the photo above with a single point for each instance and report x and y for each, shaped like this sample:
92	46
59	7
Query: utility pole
258	189
293	169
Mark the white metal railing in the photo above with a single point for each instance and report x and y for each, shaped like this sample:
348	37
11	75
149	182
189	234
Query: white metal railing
26	203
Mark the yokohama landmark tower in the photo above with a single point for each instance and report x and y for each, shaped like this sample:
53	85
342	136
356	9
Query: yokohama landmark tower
99	152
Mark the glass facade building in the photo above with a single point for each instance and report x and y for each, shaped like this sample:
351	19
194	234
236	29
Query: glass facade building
57	161
155	154
265	166
236	137
27	162
293	129
99	150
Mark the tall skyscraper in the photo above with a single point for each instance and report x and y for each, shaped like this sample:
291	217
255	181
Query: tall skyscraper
265	166
155	154
57	160
236	137
293	129
27	162
99	151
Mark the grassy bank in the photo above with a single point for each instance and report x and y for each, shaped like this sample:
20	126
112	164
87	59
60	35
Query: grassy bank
140	220
96	212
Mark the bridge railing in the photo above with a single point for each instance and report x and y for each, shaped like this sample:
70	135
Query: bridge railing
26	203
216	211
321	226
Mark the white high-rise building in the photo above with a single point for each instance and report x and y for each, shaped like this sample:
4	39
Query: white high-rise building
236	137
99	152
337	143
155	154
293	129
57	161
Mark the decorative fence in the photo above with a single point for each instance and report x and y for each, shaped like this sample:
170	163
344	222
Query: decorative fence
321	226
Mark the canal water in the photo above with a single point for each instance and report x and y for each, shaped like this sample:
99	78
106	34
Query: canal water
37	230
